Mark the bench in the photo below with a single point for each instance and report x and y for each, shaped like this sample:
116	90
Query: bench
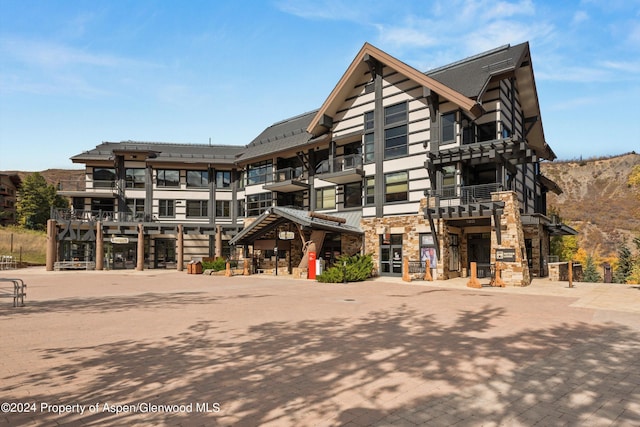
17	291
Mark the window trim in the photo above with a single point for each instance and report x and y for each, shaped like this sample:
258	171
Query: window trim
164	179
398	123
203	175
169	208
387	176
445	126
322	197
203	209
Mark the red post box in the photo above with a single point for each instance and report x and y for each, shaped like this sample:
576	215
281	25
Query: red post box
312	266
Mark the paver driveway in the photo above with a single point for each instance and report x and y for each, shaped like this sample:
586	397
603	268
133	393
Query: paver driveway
168	348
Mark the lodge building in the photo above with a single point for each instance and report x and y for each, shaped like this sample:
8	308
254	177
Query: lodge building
441	168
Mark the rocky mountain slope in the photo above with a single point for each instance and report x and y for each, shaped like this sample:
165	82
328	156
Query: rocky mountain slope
597	200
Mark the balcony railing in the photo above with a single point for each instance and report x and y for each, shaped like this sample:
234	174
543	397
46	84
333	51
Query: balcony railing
99	215
289	174
340	164
464	195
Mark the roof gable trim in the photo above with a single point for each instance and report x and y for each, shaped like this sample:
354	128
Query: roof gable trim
367	51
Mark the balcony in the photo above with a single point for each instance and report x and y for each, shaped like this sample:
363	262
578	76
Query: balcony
288	180
91	188
342	170
65	215
463	201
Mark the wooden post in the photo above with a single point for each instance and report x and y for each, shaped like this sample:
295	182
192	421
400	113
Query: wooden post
227	272
497	280
140	260
180	254
405	270
473	281
427	271
571	273
245	272
51	244
99	247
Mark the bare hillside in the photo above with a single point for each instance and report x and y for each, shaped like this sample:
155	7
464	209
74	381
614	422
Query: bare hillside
597	200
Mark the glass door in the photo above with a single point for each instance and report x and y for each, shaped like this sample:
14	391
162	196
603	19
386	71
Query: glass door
391	254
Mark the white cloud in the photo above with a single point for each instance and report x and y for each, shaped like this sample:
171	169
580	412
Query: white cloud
579	17
55	55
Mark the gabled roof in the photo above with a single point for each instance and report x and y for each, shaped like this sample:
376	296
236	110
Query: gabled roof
358	67
276	215
471	76
280	136
163	152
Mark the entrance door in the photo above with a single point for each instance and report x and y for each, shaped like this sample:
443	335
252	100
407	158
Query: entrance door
479	250
165	253
124	256
391	254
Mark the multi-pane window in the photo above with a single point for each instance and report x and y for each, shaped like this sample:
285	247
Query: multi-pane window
104	177
135	207
241	181
353	195
368	137
241	208
448	127
449	181
197	179
395	132
326	198
134	177
258	203
166	208
223	208
259	173
370	192
168	178
396	187
197	208
223	179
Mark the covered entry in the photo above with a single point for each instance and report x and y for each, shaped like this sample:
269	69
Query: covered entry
295	231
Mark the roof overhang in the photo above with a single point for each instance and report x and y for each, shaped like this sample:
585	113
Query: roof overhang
549	184
359	67
270	219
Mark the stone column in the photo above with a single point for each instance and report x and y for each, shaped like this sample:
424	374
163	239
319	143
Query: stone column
51	244
140	261
99	246
516	272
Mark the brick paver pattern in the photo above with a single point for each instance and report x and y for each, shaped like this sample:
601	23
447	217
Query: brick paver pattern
169	348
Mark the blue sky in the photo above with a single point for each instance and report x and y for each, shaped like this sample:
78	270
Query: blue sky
76	73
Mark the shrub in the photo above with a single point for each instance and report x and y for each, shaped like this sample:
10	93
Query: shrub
354	268
217	264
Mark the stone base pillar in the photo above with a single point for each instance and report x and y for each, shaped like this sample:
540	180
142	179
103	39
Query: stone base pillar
514	268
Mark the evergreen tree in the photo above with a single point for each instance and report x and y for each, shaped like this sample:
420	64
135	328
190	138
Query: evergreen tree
590	272
625	264
35	200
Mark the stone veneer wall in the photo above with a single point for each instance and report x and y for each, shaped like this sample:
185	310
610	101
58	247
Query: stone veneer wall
410	226
540	249
512	236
